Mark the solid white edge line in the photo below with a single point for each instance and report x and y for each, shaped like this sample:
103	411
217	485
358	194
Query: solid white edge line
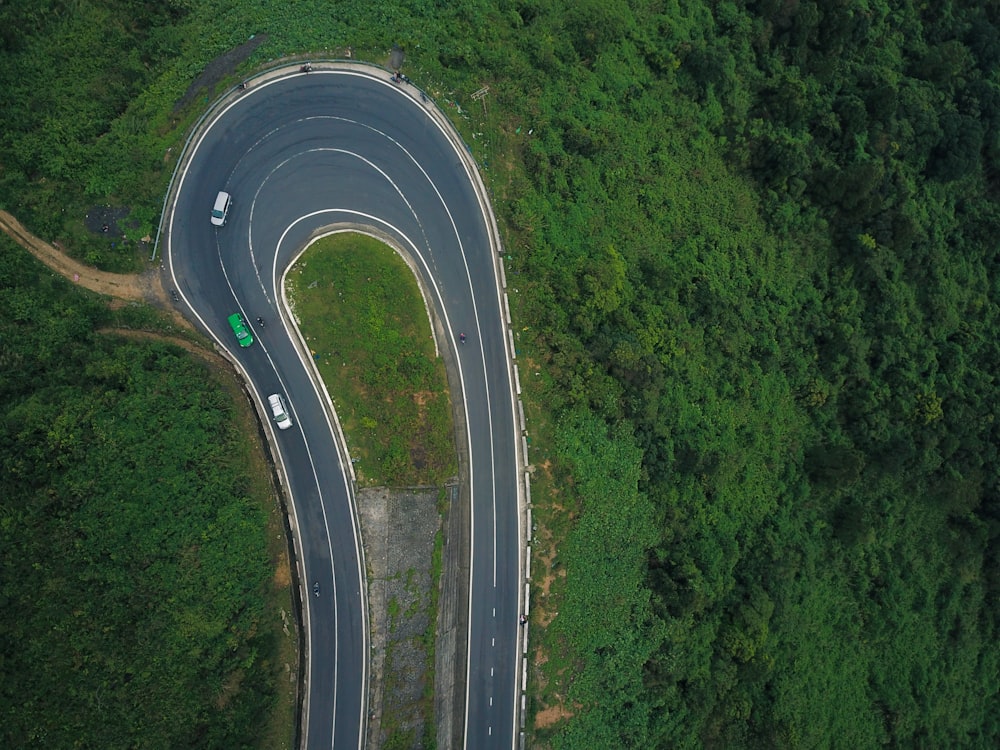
476	179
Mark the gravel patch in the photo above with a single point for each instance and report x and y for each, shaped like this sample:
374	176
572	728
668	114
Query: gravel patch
220	68
399	528
107	220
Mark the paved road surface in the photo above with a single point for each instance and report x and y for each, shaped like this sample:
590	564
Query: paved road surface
307	153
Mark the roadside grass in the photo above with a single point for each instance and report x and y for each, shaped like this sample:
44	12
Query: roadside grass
552	516
362	315
281	660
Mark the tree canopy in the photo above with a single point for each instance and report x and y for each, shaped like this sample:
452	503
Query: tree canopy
755	253
134	567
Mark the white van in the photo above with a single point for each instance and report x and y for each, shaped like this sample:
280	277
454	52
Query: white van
280	411
221	209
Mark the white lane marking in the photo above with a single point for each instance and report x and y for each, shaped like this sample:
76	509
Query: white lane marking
212	332
345	152
312	463
433	281
307	610
326	524
487	222
449	328
475	179
475	307
416	253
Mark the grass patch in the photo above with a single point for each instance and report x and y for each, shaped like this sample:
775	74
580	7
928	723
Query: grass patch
437	557
364	320
413	609
393	609
400	740
281	658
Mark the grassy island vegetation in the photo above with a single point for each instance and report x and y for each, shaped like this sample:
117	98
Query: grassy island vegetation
755	248
359	307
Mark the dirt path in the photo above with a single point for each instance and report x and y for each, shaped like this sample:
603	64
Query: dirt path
144	287
212	359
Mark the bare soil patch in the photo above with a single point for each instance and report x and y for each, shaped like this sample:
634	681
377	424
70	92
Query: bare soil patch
398	531
107	220
217	70
125	286
546	559
283	574
552	715
144	287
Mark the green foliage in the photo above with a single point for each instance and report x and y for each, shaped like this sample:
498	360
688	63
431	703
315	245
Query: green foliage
134	560
606	619
803	355
757	238
365	321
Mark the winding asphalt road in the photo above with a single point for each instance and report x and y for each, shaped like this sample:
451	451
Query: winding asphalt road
307	154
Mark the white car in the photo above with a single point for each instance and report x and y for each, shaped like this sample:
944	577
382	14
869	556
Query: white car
221	208
280	411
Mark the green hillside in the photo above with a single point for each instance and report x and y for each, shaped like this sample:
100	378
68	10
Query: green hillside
753	258
134	580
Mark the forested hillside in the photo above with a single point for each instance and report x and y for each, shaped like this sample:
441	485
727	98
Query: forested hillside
134	566
755	254
761	242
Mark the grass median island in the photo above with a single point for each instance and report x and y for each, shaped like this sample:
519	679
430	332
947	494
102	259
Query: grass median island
363	317
362	314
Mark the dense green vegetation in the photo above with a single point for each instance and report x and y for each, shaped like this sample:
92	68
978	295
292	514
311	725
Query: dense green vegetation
355	300
135	568
756	257
779	289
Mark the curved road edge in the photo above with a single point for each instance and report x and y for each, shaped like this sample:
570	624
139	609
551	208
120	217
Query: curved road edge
450	704
216	110
448	738
519	428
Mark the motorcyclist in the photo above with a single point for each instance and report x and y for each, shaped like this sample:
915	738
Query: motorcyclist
316	588
260	321
461	337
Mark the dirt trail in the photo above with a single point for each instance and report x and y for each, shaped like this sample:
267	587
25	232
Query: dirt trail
145	287
125	286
